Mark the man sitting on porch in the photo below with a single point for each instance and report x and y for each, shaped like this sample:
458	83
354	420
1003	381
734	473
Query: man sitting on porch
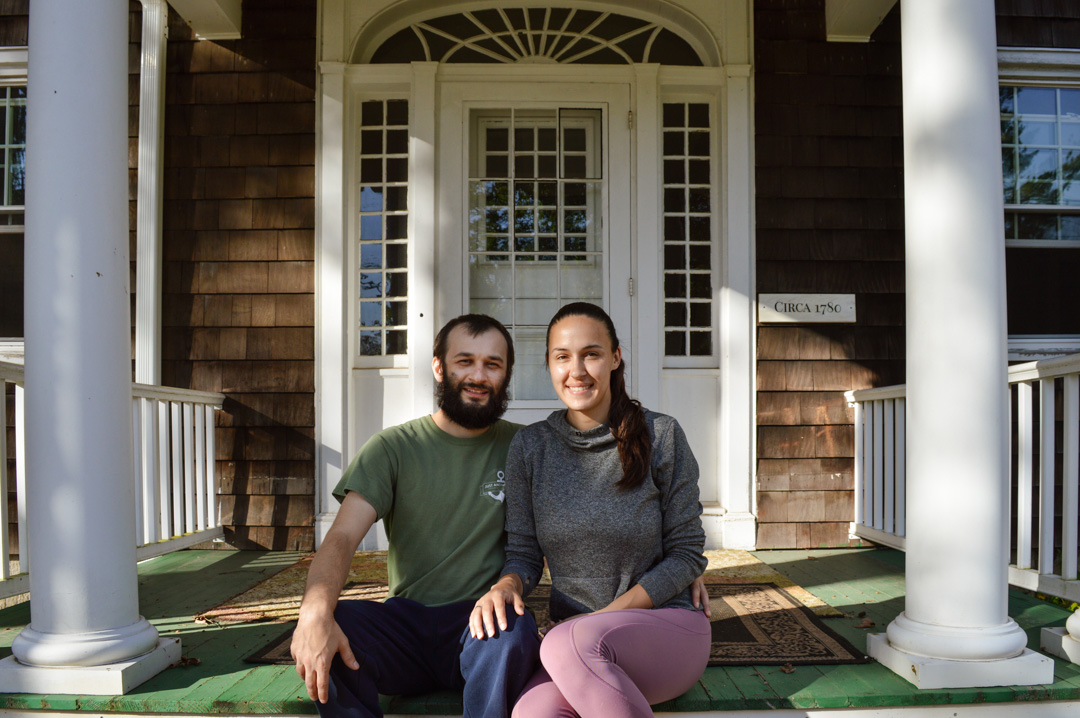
437	483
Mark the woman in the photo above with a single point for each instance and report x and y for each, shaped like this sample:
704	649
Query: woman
607	493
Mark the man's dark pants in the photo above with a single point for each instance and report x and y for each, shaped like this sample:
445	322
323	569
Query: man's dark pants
405	647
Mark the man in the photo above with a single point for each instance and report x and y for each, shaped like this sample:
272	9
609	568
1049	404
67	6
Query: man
437	483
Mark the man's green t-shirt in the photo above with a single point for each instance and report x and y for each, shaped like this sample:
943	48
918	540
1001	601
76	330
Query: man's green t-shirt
441	500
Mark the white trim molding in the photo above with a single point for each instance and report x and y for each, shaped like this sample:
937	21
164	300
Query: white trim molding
1030	347
13	65
402	14
211	19
330	316
1038	66
854	20
151	180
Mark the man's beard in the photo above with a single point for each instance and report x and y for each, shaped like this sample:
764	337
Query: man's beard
467	414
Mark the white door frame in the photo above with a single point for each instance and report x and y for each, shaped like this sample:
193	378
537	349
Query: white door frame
729	517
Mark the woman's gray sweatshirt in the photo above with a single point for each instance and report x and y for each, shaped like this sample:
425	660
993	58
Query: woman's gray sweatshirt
562	504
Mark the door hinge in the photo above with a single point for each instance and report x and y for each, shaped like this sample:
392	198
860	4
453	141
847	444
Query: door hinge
630	120
631	286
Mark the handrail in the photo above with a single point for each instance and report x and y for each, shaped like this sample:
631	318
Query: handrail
174	469
1028	371
171	393
16	374
12	373
1045	483
896	391
1044	368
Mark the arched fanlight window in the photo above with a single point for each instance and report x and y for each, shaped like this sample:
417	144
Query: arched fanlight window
553	35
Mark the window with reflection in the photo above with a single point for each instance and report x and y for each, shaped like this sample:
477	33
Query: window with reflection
1040	162
535	192
382	279
13	135
687	230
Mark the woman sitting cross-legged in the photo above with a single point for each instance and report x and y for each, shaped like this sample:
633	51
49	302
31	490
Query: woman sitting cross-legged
607	492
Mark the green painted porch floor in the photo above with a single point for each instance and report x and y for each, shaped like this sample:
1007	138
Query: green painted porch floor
175	588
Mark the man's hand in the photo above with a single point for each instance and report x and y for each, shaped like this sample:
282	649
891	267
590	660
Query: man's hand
318	637
492	606
315	642
699	596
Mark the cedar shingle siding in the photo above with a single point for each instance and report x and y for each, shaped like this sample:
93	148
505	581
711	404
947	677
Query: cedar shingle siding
830	218
239	276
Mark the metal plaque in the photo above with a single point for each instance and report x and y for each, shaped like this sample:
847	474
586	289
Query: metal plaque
806	308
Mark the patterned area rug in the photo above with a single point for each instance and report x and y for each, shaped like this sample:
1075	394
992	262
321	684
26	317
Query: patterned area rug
277	598
760	617
752	624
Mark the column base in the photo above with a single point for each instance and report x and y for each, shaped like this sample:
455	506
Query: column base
1058	642
112	679
1027	669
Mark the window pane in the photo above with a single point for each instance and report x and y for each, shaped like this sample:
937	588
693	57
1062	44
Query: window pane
1031	132
1036	101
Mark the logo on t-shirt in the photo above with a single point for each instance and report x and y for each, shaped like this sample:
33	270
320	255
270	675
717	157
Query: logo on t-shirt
495	490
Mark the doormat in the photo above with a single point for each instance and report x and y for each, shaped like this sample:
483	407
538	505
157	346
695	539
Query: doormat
753	624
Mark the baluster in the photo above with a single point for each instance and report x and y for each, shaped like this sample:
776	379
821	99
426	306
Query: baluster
868	464
200	468
1024	442
136	467
5	548
901	467
147	472
163	507
20	477
1047	459
177	478
889	458
189	470
211	470
879	472
860	518
1070	458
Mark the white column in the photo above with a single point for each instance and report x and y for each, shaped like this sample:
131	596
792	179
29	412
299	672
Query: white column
81	511
955	630
155	17
423	211
331	331
737	326
647	270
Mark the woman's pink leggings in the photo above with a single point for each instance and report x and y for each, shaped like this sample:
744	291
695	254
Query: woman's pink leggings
607	665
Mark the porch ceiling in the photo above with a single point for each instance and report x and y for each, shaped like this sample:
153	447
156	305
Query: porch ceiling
211	19
854	20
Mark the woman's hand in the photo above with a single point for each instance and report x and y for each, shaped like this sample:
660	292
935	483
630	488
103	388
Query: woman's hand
492	607
699	596
636	597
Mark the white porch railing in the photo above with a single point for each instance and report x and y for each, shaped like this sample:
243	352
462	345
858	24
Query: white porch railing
175	477
1045	498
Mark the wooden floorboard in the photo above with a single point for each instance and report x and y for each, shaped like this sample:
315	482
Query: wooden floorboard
176	588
